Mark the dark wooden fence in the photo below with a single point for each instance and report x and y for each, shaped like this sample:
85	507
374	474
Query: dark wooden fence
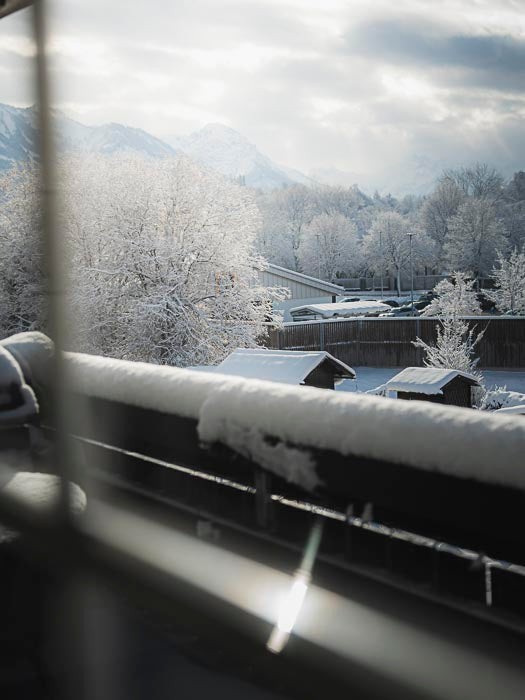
387	342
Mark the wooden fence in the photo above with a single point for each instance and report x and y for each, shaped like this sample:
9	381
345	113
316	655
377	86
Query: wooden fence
387	342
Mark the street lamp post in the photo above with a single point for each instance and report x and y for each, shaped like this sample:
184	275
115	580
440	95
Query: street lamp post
381	259
410	235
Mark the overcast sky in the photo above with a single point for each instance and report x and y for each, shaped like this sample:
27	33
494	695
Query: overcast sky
359	85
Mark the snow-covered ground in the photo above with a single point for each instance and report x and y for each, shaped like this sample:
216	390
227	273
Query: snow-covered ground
371	377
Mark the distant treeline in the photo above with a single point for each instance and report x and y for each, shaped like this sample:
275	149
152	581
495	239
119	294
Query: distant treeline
471	215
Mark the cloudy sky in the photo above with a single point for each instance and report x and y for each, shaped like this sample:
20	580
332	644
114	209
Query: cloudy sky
365	86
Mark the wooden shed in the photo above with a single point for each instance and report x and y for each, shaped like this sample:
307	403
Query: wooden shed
299	367
447	386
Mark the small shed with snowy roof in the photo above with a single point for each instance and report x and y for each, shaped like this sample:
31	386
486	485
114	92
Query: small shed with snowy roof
448	386
319	369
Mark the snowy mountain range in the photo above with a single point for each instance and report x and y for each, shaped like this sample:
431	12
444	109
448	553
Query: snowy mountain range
19	137
215	146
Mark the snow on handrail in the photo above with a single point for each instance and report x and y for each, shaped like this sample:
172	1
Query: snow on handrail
242	413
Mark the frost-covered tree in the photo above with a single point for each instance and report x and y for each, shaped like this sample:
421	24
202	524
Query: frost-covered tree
455	347
456	297
475	234
437	211
481	181
22	271
274	240
162	260
285	213
329	245
171	255
387	245
509	295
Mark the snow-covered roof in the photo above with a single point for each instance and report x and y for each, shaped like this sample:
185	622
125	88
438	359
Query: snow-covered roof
306	279
517	410
284	366
424	380
349	308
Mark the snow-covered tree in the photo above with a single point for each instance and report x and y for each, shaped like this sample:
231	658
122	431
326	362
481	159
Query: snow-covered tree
162	262
509	295
22	270
172	255
456	297
481	181
329	245
387	245
455	347
274	240
475	234
438	209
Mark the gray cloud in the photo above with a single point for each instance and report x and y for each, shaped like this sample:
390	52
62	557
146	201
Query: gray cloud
496	61
314	84
407	41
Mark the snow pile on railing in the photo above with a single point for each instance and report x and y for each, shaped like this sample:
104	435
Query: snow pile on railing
17	400
251	416
276	424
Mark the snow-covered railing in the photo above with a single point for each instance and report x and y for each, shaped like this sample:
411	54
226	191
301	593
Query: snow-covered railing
445	471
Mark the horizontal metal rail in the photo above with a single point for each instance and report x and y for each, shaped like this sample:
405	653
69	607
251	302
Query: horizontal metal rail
483	517
477	570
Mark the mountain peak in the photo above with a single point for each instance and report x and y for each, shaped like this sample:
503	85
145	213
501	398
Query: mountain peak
224	149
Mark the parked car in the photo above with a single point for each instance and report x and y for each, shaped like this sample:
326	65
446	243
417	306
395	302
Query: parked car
485	303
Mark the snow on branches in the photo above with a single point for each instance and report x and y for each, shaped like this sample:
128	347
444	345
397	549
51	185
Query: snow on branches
22	270
162	261
454	348
509	295
455	342
456	297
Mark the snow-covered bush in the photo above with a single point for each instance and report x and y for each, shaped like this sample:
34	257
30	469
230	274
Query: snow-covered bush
456	297
500	397
509	295
454	348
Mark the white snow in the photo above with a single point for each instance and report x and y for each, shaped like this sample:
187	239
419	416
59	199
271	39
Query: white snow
11	376
372	377
518	410
244	412
7	124
501	397
344	310
424	380
33	351
285	366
